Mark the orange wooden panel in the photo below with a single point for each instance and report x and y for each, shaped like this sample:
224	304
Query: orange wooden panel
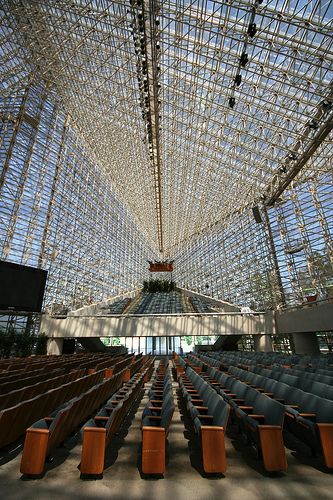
326	439
213	449
272	447
34	451
93	451
153	450
127	375
161	267
108	372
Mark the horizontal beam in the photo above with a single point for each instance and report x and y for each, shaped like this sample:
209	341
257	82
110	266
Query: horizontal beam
312	318
158	326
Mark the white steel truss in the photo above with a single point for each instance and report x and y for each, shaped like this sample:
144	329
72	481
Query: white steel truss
163	123
235	91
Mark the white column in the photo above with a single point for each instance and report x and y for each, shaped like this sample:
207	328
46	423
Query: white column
263	343
54	346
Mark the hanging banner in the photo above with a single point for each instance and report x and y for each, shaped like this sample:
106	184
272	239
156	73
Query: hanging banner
161	267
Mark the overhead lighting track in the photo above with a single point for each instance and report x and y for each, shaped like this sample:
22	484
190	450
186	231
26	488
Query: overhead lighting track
145	24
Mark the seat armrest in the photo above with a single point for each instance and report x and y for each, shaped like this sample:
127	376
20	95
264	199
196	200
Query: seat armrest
260	418
246	408
308	416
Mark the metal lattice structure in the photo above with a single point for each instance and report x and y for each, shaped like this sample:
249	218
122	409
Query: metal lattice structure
136	130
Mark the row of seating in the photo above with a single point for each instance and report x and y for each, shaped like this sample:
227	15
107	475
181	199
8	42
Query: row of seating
316	377
209	414
47	433
19	374
199	305
159	303
179	365
112	365
16	419
156	419
259	417
196	363
18	381
303	382
210	361
271	358
31	391
27	366
98	431
308	417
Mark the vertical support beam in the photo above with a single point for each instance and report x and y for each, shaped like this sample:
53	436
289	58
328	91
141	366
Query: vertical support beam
282	298
24	172
263	343
54	183
54	347
13	138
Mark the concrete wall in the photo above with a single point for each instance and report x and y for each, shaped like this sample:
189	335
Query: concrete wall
154	326
306	343
312	318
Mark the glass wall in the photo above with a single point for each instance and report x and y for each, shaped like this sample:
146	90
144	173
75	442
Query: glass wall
58	209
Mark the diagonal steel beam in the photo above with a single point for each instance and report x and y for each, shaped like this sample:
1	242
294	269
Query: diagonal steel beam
322	131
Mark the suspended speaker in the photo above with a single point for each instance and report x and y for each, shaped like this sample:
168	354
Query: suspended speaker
256	214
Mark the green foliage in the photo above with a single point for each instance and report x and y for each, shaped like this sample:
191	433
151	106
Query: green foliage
41	344
21	344
205	339
154	286
318	274
106	341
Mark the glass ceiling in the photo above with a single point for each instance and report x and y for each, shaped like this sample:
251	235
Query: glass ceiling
196	110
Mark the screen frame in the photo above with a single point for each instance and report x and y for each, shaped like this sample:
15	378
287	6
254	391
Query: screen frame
26	269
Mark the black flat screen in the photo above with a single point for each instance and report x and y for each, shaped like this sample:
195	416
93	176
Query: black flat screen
21	287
